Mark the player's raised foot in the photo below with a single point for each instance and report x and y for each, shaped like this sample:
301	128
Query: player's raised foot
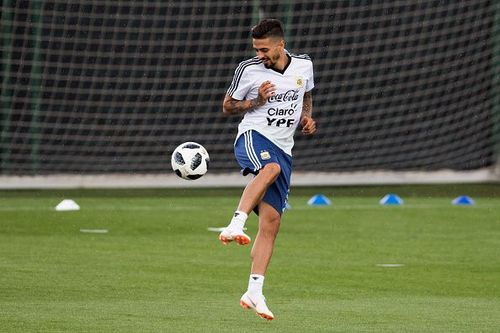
231	233
256	303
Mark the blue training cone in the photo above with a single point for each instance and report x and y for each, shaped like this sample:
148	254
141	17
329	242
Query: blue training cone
319	200
463	200
391	199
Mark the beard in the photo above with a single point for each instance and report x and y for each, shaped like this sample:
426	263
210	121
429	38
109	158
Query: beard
271	61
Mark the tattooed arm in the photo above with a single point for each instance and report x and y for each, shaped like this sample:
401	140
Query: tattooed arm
234	106
306	120
307	105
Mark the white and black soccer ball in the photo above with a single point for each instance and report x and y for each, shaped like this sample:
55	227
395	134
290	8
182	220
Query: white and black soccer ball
190	160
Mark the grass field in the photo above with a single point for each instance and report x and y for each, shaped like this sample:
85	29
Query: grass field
159	269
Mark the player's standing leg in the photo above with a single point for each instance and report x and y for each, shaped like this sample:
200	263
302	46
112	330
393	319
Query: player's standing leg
262	250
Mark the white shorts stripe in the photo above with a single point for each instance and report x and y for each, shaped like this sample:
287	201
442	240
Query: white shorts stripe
259	165
250	151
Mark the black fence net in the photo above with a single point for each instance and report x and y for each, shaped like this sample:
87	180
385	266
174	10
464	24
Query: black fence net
108	86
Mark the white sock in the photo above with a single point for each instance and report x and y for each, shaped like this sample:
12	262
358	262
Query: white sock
255	284
239	219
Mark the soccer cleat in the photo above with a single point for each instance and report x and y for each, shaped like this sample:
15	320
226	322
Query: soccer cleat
230	234
256	303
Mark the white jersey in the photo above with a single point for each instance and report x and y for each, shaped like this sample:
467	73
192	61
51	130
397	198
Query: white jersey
278	119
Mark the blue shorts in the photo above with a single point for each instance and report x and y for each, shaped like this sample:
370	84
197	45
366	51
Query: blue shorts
253	151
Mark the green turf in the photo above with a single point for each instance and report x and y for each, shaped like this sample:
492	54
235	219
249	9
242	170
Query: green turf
160	270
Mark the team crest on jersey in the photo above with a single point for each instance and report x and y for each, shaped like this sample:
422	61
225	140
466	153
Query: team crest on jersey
264	155
299	81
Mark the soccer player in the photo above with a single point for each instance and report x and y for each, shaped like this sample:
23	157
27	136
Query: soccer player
273	93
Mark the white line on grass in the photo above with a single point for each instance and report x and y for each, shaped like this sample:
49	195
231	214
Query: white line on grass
94	231
214	229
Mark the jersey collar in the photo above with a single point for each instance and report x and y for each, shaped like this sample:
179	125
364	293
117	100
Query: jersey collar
286	66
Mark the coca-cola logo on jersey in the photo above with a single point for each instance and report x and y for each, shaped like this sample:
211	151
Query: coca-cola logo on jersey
290	95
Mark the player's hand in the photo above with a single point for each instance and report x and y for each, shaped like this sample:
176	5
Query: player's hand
266	90
308	125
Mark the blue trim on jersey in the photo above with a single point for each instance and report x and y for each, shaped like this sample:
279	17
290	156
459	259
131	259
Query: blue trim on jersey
253	151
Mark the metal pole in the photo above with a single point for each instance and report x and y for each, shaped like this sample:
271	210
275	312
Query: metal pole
495	89
36	85
6	91
287	21
256	12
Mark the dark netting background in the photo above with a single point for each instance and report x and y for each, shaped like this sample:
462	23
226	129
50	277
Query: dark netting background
108	86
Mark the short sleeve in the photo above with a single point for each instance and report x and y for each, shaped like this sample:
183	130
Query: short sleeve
310	79
241	84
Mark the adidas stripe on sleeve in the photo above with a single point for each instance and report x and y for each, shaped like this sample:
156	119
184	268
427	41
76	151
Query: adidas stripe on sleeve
242	83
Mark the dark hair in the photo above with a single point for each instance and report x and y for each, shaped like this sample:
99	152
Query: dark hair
268	28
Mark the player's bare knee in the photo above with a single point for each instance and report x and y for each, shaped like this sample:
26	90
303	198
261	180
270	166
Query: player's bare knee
274	169
271	172
270	227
